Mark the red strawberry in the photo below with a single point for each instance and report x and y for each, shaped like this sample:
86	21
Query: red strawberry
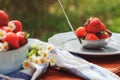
94	25
3	18
22	38
103	27
12	40
104	35
15	25
91	36
1	27
81	32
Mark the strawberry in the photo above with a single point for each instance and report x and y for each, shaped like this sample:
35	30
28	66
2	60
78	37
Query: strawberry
103	27
81	32
91	36
2	34
104	35
12	40
94	25
22	38
15	25
3	18
1	27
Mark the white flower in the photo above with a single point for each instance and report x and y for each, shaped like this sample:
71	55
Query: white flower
2	34
11	25
40	52
41	47
42	60
36	60
27	64
52	61
49	47
44	54
31	58
5	46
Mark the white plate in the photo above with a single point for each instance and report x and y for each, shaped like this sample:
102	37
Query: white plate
69	42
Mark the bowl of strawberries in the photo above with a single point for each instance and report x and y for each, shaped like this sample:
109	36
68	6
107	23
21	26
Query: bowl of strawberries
13	44
93	34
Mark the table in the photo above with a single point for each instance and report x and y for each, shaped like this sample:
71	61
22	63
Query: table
111	63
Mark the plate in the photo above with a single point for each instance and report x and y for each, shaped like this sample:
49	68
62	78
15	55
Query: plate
69	42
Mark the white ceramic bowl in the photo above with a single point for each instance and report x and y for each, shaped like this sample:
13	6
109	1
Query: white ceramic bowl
12	60
96	44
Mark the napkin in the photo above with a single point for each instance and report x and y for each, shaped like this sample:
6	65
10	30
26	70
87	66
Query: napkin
64	60
26	74
80	67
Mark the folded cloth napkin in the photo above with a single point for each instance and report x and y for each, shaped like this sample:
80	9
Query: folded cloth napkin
63	60
80	67
26	74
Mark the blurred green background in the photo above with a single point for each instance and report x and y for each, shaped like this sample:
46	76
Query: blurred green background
44	18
